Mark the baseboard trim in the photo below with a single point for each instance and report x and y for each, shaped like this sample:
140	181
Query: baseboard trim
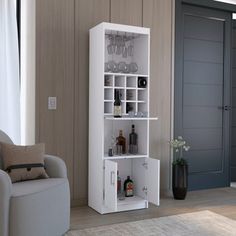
166	193
84	201
79	202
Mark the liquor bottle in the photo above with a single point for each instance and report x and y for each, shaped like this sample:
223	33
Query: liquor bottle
133	141
118	184
120	144
129	187
117	104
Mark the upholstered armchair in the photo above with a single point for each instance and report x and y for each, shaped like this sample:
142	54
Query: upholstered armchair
36	207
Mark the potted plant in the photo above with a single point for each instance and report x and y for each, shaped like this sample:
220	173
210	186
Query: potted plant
179	168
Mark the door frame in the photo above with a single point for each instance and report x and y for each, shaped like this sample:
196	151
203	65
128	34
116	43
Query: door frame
215	5
232	176
208	4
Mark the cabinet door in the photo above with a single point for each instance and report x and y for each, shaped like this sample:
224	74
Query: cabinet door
111	185
153	180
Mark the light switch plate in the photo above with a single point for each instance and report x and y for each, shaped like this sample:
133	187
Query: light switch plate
52	103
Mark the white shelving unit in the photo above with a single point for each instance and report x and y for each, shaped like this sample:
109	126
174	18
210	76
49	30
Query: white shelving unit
144	171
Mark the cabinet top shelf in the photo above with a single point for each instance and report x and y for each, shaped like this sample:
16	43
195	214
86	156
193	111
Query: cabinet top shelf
130	118
111	27
126	74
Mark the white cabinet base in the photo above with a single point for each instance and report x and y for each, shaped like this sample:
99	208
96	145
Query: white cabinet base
131	203
128	204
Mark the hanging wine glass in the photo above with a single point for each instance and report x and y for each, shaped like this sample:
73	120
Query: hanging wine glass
125	52
118	45
131	47
125	49
106	67
110	45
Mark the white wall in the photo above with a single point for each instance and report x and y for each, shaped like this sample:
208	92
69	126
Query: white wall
227	1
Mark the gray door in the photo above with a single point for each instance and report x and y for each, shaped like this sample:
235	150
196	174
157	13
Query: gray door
233	132
202	93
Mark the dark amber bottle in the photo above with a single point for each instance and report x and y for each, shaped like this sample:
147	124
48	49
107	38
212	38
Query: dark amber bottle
121	144
129	187
133	141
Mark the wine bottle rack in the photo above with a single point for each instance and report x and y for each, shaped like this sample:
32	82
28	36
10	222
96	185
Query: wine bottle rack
133	98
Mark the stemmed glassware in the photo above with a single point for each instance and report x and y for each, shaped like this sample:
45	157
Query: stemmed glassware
118	45
111	45
130	49
122	46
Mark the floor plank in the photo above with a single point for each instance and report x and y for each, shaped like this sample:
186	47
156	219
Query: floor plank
221	201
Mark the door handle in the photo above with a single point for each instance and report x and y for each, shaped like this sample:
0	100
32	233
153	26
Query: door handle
112	177
225	108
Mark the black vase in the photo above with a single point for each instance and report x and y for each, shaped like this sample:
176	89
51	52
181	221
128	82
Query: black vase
180	181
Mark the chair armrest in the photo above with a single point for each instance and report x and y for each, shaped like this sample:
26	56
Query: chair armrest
55	167
5	195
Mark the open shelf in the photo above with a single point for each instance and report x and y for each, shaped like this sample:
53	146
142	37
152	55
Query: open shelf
126	74
130	118
126	54
124	156
131	203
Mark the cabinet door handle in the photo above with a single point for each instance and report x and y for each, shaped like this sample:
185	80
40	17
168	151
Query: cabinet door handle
112	177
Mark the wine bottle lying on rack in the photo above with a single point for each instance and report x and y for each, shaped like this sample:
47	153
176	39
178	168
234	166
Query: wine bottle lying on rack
142	82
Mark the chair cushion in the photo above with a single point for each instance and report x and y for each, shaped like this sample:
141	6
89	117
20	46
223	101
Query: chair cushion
5	139
40	207
35	186
24	162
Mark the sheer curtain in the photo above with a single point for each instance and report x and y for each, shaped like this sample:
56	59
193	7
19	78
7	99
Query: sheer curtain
28	71
9	71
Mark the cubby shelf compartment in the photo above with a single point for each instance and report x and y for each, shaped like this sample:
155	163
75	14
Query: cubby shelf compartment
104	128
131	95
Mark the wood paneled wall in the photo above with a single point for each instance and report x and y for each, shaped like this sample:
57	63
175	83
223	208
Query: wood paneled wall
129	12
62	38
88	14
55	77
157	15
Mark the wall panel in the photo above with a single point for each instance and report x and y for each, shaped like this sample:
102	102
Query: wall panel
55	77
127	12
88	14
157	15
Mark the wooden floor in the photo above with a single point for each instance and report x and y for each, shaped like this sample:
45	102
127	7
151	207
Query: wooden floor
221	201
